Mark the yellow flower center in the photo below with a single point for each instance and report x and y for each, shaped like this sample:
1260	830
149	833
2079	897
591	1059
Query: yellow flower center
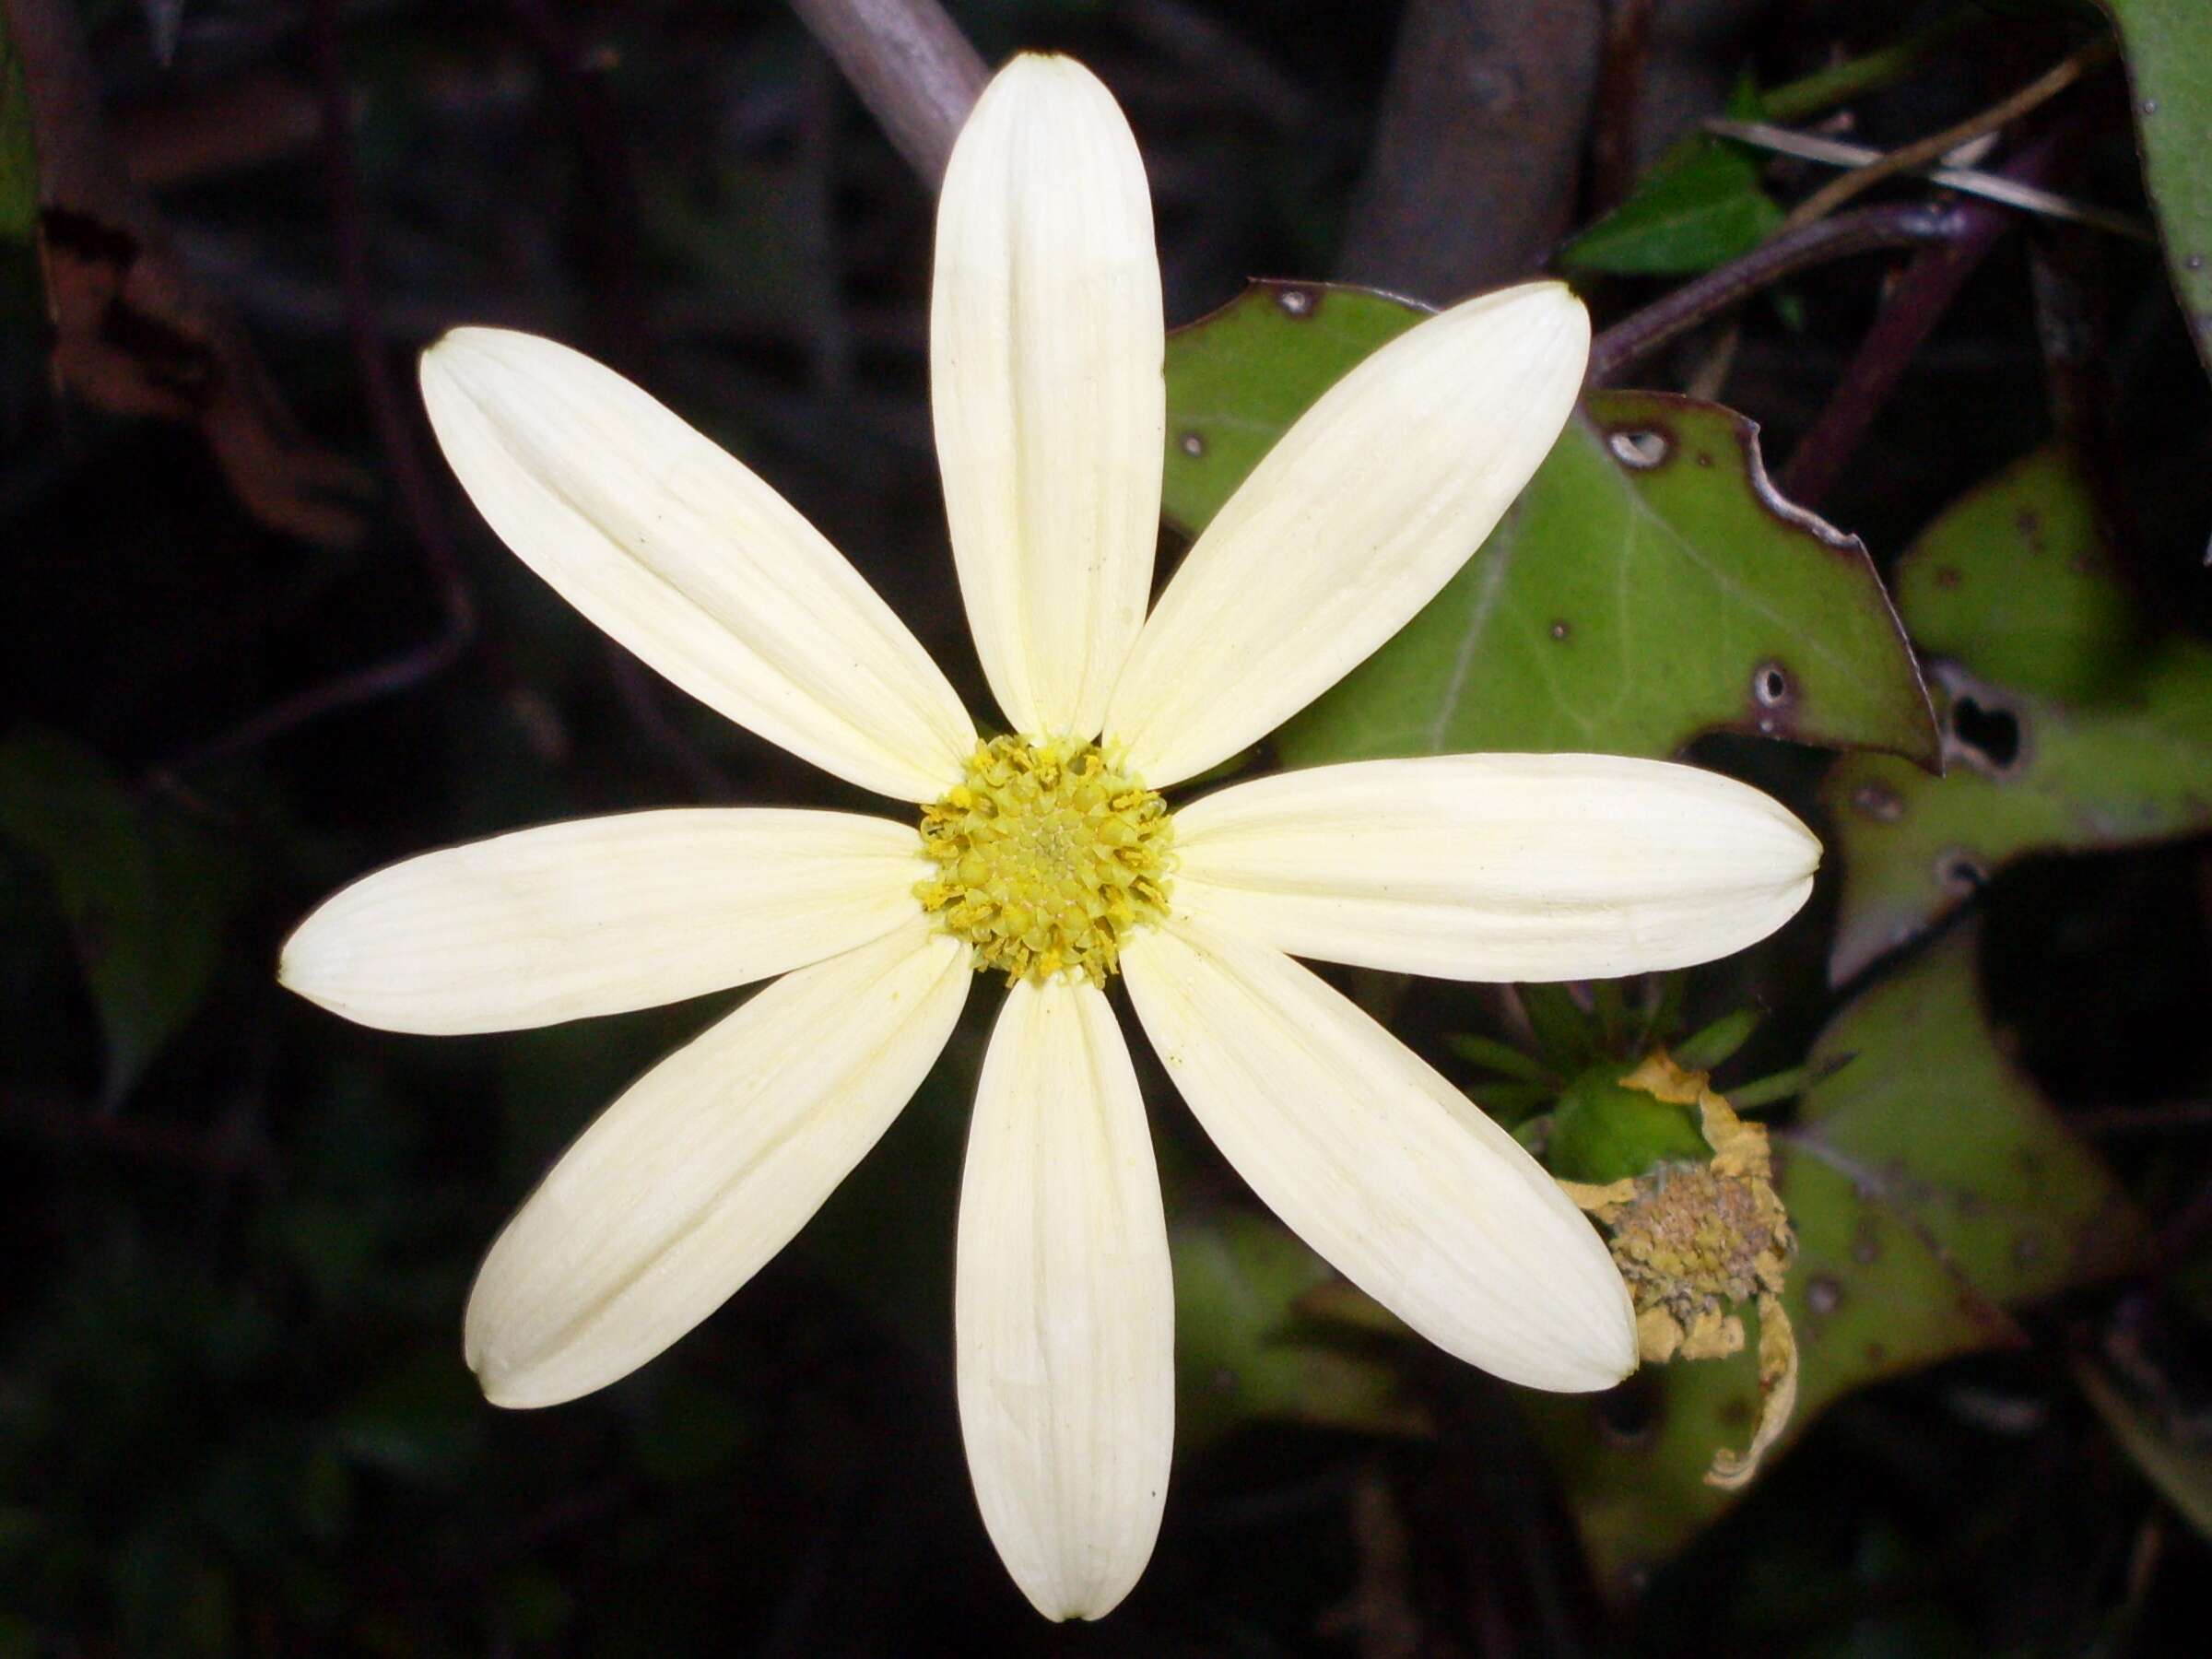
1048	856
1694	1240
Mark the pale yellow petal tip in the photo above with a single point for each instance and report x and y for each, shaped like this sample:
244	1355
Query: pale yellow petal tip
1623	1350
306	963
1065	1603
1043	86
505	1385
1596	1347
453	357
1809	844
1548	305
1044	68
440	357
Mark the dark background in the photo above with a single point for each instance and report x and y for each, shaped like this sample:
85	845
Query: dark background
233	1416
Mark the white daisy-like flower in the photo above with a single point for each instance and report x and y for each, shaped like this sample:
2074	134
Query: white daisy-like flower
1047	857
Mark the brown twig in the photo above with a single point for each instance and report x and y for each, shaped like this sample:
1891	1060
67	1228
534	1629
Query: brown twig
1478	146
1937	146
1622	62
1636	336
1910	313
910	65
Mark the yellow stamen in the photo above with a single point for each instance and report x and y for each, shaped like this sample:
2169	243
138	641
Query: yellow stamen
1048	856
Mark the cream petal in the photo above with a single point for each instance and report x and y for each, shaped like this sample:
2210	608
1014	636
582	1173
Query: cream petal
1046	354
684	1187
1380	1164
672	547
1064	1307
600	916
1497	866
1361	511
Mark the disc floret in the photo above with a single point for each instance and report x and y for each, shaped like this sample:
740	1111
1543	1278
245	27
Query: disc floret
1049	854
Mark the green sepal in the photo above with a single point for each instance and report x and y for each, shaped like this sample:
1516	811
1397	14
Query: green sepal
1713	1046
1602	1132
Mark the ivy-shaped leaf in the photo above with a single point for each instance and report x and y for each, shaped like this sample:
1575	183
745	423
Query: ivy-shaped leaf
2064	730
2015	581
1649	585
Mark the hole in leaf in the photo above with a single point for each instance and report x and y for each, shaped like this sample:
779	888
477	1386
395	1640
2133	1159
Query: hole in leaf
1994	734
1641	450
1770	685
1962	873
1629	1415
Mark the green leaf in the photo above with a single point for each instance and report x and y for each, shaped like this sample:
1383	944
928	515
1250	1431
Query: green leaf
2013	579
1930	1186
1711	1047
1239	1350
1565	1036
2112	748
2171	1453
1239	377
18	162
145	893
2168	46
1500	1057
1700	207
1649	585
1921	1105
1603	1133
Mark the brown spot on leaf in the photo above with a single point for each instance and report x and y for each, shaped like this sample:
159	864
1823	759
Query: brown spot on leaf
1560	629
1879	801
1946	576
1823	1295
